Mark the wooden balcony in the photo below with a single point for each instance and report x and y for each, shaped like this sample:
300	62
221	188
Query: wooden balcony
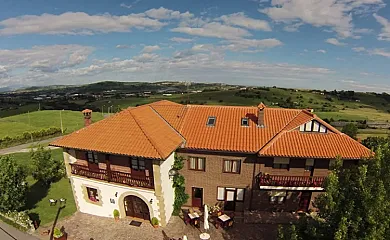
290	181
113	176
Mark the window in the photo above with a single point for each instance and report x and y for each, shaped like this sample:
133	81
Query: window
231	166
92	157
313	126
245	122
93	194
281	163
211	121
197	163
138	164
277	196
309	166
233	194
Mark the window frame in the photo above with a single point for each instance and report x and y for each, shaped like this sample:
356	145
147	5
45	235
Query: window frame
197	164
247	122
231	171
95	192
235	193
284	166
94	159
211	124
137	166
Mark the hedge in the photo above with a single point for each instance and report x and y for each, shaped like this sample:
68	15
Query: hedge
26	136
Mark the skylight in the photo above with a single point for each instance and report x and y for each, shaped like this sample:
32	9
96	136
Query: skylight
245	122
211	121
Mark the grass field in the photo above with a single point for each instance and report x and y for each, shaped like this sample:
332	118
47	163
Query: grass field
16	125
39	195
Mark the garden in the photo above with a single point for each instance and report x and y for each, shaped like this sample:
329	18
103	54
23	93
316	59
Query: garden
39	177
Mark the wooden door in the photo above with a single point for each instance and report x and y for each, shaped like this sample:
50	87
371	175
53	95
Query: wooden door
230	204
197	197
304	202
136	207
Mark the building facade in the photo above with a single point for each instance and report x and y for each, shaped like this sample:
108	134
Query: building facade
241	158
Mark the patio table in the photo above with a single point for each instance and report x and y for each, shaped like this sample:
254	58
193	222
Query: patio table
223	219
193	216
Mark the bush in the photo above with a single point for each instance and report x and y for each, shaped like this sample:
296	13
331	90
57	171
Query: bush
155	221
26	136
116	213
46	169
13	185
57	233
20	219
351	130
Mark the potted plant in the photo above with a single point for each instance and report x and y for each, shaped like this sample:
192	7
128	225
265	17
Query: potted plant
58	234
155	222
116	214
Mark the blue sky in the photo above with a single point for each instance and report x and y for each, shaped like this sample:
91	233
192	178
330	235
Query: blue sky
327	44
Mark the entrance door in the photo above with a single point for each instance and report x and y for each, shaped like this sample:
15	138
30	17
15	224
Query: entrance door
197	197
230	204
304	202
136	207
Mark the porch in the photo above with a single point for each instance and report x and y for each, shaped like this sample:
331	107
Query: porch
113	176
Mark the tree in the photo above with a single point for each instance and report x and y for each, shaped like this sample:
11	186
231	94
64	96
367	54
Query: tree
374	142
351	130
355	204
13	185
46	169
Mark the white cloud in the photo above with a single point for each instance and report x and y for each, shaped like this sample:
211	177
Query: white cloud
163	13
251	44
335	41
181	40
363	30
380	52
214	29
325	13
45	58
123	46
151	48
241	20
292	27
359	49
321	51
130	5
385	34
76	23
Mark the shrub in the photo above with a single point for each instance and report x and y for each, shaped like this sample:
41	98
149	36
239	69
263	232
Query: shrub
116	213
57	233
45	168
21	219
155	221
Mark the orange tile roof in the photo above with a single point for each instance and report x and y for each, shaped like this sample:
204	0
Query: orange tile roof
157	129
315	145
135	132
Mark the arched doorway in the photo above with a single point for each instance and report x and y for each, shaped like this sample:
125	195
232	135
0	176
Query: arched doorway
136	207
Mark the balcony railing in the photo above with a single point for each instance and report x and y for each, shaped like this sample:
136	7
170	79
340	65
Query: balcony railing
290	181
113	176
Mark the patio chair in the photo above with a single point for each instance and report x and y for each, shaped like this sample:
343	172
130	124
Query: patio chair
230	224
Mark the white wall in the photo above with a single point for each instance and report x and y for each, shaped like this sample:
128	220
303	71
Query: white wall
107	192
166	185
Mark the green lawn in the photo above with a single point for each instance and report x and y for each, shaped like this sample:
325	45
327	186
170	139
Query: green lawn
39	195
16	125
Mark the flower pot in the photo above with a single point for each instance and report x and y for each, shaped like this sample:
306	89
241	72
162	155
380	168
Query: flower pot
63	237
116	219
155	226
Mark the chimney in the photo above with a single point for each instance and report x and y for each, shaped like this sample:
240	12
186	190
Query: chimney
87	117
260	118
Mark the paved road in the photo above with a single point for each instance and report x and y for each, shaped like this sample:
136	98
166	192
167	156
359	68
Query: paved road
10	233
25	147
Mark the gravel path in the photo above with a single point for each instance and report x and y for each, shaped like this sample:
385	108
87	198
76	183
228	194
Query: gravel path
82	226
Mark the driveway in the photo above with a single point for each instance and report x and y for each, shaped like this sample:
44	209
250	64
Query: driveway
26	147
10	233
82	226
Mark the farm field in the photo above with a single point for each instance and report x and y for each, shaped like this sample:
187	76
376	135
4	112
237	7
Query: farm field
17	124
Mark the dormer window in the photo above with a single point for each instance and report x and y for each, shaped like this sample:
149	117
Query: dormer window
313	126
245	122
211	121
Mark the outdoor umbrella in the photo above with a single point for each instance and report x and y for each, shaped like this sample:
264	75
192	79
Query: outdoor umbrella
206	217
